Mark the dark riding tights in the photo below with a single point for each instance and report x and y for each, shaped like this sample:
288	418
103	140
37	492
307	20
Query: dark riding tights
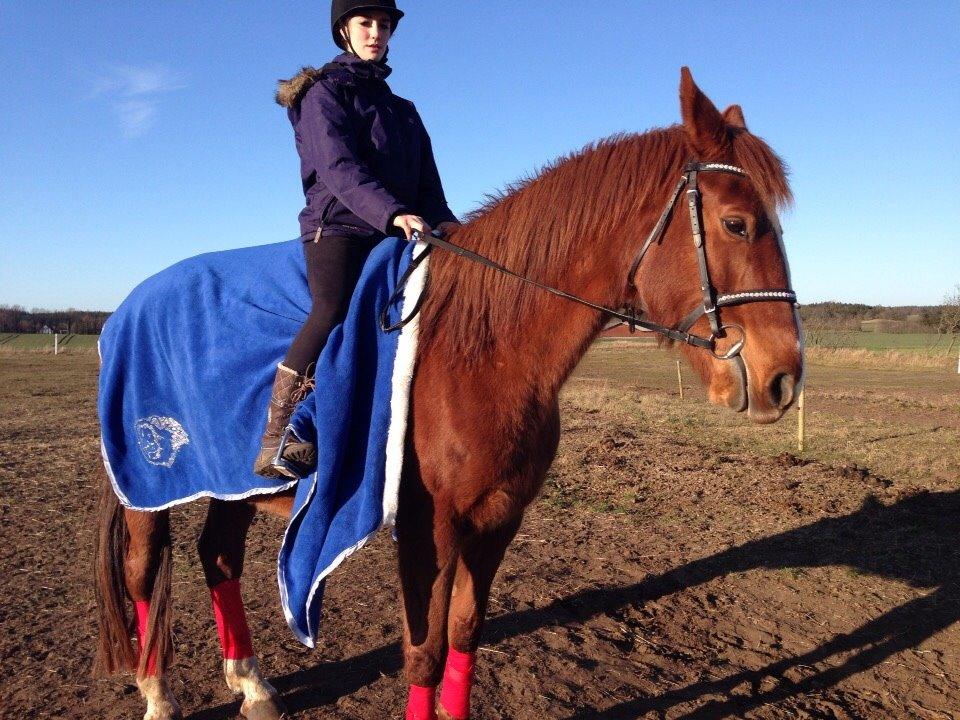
333	268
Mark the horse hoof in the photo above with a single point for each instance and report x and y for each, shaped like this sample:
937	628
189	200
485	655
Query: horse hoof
163	712
161	704
272	709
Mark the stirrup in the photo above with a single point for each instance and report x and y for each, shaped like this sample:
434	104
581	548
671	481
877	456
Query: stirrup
280	463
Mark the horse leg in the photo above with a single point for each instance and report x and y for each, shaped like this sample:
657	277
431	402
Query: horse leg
147	575
221	548
479	558
426	550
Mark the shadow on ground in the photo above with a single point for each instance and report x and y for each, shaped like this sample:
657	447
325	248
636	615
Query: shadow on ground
913	541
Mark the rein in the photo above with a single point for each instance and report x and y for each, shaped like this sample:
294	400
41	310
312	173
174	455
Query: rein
712	301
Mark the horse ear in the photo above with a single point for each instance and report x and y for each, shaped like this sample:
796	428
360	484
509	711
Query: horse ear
733	116
704	124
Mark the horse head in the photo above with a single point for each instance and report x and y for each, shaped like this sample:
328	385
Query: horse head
744	252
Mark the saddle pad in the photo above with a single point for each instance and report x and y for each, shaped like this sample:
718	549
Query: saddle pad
187	365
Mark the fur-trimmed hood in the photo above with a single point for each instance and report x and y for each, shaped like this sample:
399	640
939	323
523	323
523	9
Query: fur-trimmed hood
291	92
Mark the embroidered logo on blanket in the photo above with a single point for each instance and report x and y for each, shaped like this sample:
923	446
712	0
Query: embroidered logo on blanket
160	439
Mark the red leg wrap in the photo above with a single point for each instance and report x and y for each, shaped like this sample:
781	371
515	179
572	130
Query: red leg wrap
142	608
420	704
231	620
457	681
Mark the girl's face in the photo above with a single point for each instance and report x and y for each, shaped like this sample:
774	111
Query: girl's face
368	34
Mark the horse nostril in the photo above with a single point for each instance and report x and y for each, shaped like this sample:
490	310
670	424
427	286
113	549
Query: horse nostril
781	390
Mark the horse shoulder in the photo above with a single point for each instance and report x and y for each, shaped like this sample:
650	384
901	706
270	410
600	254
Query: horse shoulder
481	445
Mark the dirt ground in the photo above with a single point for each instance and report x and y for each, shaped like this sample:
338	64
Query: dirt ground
660	576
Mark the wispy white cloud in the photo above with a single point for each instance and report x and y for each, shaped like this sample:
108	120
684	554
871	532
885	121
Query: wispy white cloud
134	94
136	117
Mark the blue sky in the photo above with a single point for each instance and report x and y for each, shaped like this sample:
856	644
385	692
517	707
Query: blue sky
135	134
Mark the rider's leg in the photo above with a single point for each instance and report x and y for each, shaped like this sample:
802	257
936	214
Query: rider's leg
333	268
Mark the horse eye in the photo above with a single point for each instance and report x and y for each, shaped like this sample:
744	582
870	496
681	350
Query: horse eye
735	226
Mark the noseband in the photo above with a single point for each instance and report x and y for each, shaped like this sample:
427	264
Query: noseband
712	301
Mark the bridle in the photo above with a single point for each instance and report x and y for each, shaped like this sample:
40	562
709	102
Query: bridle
712	301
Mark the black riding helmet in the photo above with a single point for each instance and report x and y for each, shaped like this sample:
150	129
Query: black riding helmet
340	9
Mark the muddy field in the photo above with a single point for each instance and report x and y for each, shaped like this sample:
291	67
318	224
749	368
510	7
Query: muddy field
679	565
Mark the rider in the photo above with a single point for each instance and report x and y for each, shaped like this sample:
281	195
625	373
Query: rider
367	169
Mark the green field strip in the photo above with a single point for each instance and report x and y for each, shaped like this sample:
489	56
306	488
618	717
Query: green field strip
41	341
925	342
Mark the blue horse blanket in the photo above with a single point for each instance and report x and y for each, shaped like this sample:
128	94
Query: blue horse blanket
187	364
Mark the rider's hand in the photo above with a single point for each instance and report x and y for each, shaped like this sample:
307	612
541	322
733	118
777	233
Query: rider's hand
409	223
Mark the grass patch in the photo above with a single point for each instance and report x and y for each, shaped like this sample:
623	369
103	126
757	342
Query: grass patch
881	341
37	342
899	420
880	358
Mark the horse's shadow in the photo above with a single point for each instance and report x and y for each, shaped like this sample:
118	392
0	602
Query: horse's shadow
914	540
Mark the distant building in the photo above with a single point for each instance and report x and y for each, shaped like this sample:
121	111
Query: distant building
46	330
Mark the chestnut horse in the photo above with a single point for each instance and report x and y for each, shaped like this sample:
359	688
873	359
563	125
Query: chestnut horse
493	354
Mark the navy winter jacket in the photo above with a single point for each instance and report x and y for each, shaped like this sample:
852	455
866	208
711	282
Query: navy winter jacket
365	155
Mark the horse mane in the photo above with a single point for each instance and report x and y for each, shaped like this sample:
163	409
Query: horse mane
766	169
534	226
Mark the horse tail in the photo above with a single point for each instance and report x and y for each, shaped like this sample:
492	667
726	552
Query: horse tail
115	652
158	648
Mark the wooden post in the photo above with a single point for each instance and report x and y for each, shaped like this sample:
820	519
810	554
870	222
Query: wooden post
56	343
801	424
680	379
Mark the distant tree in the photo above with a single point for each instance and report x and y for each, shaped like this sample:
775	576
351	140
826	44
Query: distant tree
948	327
13	318
930	317
815	330
950	314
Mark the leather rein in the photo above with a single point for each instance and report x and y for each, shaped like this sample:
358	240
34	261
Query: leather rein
712	301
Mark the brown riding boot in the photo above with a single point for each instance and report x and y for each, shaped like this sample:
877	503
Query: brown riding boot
298	459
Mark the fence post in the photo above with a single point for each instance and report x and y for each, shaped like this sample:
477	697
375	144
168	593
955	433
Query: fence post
56	343
801	422
680	379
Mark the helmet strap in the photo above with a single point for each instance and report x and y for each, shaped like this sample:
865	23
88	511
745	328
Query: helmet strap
345	34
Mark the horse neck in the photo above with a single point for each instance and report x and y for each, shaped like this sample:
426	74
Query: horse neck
546	337
547	343
581	240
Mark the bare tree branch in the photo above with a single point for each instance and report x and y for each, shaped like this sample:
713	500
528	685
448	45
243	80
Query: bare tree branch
950	314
